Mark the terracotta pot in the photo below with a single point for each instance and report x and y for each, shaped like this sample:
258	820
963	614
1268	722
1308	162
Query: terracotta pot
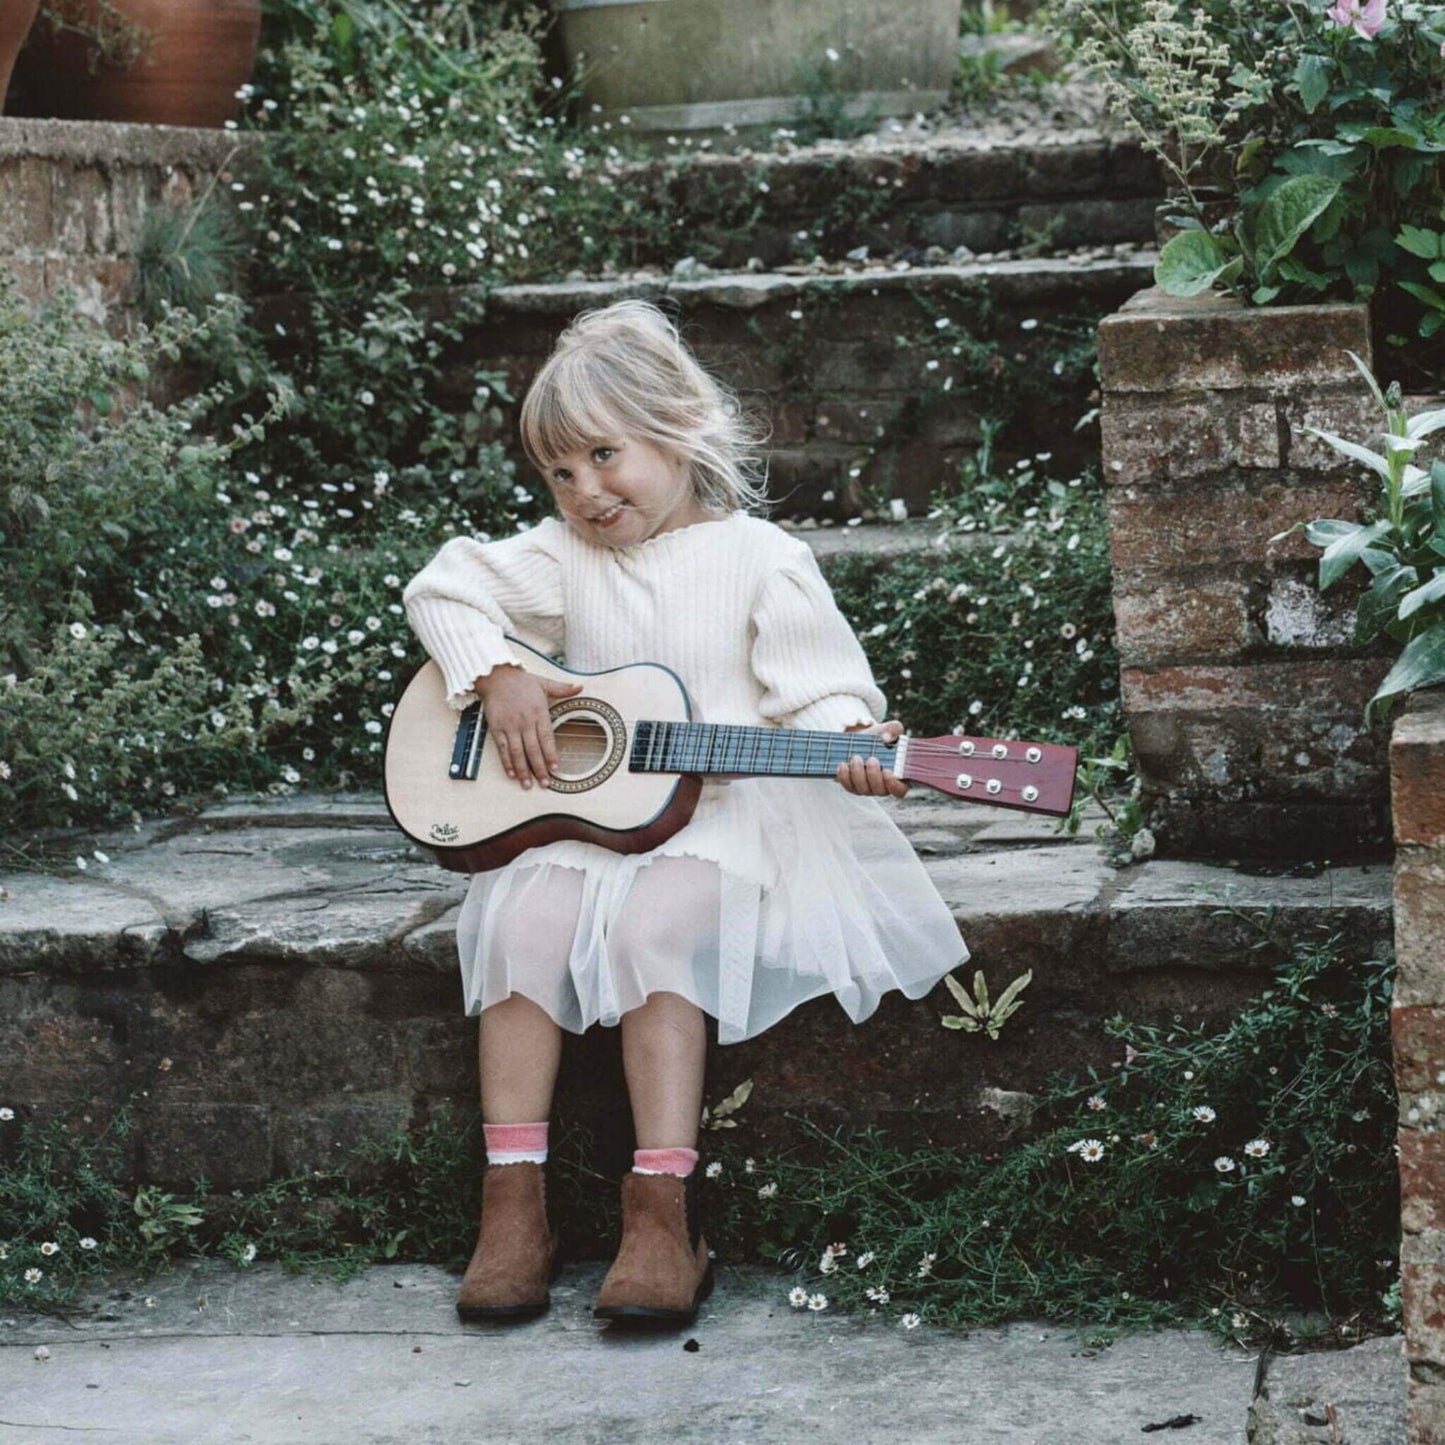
198	53
15	20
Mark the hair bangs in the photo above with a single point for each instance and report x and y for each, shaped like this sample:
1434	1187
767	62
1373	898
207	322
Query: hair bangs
567	410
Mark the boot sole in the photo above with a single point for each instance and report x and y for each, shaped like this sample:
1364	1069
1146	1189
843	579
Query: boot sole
528	1309
653	1315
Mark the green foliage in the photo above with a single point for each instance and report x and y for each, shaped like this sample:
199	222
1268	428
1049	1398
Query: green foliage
1335	138
187	257
1222	1178
169	623
1012	639
1403	549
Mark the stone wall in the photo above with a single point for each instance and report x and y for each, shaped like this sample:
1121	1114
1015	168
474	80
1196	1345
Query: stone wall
1417	1016
1243	693
852	412
76	194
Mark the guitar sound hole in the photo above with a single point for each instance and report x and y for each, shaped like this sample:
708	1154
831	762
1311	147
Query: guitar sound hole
583	744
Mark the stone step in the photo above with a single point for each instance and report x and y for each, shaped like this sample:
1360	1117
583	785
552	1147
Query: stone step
1048	190
383	1360
852	411
281	977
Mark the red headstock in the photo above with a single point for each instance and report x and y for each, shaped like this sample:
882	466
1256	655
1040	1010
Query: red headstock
1003	772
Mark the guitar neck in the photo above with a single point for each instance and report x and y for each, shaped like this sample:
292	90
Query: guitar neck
727	749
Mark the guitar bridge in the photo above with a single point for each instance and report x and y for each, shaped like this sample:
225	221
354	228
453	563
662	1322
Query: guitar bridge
467	745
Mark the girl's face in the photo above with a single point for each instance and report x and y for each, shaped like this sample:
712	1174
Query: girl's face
619	490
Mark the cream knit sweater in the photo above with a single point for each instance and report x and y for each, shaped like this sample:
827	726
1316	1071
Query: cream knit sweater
736	607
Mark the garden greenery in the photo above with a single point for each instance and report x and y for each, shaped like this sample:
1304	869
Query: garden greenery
1321	127
1228	1178
1403	549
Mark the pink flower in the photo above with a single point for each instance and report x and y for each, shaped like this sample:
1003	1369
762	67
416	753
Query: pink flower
1365	19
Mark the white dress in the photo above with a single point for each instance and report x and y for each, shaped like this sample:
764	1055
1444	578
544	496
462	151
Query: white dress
778	889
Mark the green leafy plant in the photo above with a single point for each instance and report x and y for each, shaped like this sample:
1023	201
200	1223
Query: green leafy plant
164	1221
978	1013
1403	549
1317	131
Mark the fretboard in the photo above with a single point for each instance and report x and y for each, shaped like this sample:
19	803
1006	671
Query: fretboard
726	748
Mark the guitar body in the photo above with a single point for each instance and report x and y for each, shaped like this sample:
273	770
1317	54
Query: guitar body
479	818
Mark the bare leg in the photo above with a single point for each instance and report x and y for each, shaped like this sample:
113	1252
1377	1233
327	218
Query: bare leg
664	1050
519	1049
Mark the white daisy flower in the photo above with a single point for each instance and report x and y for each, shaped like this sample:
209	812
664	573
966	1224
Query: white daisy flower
1257	1148
910	1321
797	1297
817	1301
1204	1114
49	1247
1224	1164
87	1243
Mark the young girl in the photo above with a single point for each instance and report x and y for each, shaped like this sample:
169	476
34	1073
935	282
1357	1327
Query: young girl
777	890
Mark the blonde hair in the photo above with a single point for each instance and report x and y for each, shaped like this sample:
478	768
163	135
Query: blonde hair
624	370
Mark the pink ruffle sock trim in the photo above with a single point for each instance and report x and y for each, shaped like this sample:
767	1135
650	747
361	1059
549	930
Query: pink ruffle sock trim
664	1161
516	1143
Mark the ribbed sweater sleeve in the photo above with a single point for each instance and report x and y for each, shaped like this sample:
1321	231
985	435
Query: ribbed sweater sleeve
805	654
471	593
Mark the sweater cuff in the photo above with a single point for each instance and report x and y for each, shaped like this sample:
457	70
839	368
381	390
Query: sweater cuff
832	714
464	650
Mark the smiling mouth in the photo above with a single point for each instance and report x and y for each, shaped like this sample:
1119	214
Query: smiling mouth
605	519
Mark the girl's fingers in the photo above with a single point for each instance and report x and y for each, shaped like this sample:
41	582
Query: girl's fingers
536	760
504	752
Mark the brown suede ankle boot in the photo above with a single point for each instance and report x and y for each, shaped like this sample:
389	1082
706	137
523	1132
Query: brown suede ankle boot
662	1272
516	1253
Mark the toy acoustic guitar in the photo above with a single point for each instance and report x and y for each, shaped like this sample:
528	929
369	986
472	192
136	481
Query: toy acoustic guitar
632	761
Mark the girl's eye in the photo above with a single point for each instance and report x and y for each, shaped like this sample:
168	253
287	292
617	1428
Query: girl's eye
596	450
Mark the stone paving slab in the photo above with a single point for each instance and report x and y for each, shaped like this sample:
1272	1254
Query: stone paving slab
1364	1388
331	881
259	1358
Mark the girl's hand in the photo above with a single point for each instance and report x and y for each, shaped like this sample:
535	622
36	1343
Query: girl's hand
870	778
517	706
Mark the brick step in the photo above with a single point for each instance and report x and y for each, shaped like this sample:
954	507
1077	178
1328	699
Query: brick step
281	977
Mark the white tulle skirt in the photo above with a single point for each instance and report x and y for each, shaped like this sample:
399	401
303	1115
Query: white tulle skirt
776	891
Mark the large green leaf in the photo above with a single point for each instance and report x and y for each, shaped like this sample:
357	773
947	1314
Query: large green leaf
1285	215
1423	595
1420	242
1353	450
1380	603
1312	75
1344	552
1421	664
1192	262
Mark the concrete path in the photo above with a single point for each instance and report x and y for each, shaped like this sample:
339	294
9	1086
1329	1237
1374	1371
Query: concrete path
228	1357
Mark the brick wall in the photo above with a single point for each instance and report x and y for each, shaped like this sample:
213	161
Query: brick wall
1417	1015
76	194
1243	694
